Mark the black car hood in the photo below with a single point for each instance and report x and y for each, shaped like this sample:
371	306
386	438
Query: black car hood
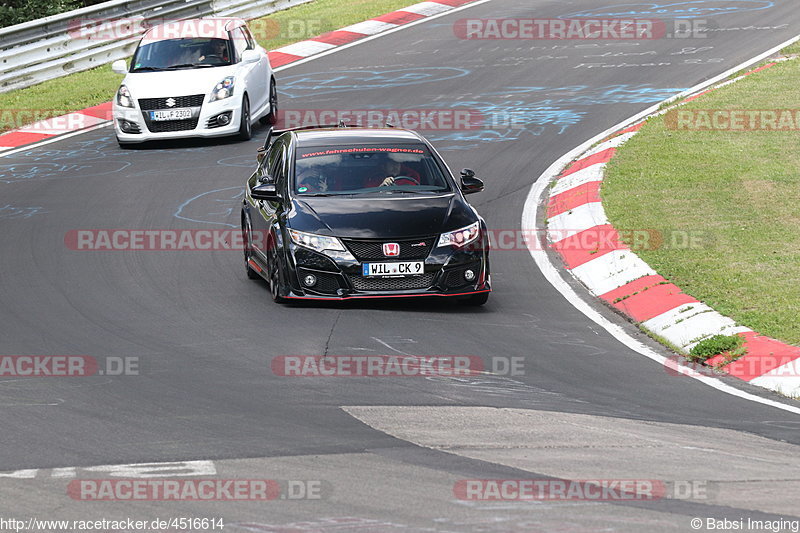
372	217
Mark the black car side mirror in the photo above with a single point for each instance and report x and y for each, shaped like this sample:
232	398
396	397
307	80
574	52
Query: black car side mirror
266	191
469	183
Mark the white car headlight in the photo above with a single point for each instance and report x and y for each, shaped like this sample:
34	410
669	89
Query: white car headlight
124	98
461	237
223	89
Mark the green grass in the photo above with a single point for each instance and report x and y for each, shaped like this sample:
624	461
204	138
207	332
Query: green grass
92	87
792	49
738	191
718	344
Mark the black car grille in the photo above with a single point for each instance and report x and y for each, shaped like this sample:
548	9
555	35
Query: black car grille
149	104
373	250
423	281
455	278
172	125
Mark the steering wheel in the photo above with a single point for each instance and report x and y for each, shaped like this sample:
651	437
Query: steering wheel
408	179
315	180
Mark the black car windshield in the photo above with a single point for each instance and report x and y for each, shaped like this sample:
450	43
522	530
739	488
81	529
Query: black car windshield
178	54
370	169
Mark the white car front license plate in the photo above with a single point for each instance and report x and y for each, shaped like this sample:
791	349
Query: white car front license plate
171	114
406	268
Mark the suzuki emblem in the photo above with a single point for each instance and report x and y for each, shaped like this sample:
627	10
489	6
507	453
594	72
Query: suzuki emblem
391	249
170	102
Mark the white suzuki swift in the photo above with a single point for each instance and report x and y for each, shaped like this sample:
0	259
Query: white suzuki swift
194	78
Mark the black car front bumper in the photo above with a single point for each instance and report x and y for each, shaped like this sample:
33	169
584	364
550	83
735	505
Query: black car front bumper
340	279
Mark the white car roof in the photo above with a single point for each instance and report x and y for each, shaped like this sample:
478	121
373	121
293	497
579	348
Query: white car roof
210	28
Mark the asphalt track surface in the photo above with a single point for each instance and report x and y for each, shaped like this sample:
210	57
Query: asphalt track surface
387	450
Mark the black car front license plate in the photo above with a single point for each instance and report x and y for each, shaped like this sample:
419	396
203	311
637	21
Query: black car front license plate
405	268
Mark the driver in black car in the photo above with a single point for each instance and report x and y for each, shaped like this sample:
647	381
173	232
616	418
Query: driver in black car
393	172
312	180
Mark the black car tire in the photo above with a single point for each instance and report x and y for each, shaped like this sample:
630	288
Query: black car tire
272	116
245	128
274	275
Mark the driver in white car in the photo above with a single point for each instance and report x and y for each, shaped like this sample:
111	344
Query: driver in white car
216	48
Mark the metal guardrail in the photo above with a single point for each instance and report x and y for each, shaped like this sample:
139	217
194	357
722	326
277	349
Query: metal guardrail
82	39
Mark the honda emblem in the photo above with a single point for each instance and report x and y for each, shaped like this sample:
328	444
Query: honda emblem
391	249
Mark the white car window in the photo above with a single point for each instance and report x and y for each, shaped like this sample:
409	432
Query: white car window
240	43
251	43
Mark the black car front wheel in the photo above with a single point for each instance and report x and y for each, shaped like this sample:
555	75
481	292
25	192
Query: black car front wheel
273	268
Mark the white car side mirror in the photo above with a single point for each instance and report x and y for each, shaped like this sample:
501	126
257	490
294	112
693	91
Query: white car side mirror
251	56
119	66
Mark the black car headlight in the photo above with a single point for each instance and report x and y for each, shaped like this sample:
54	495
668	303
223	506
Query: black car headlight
461	237
330	246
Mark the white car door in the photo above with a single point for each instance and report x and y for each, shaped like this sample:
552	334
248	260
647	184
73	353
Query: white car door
253	73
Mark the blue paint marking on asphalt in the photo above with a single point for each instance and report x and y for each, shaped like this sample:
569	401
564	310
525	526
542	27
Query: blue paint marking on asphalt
16	172
211	207
11	212
506	116
351	80
689	9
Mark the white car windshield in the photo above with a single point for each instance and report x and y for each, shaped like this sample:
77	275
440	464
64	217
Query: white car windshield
175	54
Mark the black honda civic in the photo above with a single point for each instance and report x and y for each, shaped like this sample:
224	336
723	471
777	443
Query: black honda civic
344	213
